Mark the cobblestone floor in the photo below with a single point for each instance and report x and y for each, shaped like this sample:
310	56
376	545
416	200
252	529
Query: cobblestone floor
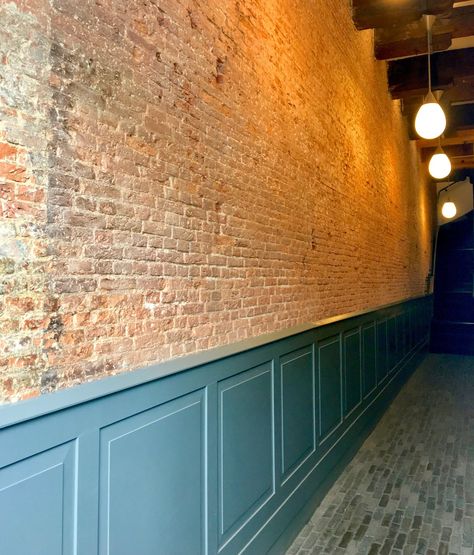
410	488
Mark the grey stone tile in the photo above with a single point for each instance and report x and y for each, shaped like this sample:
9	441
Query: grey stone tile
410	488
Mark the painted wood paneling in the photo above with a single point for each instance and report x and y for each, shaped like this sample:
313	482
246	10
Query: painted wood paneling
392	352
382	350
220	458
37	503
401	335
408	333
330	384
298	430
352	370
153	476
369	358
246	452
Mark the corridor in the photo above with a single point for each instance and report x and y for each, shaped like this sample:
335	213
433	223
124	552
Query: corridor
410	488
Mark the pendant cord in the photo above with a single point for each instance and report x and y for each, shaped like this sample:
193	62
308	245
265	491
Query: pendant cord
428	26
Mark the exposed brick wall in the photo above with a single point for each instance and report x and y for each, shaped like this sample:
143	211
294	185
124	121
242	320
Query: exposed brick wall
25	311
177	175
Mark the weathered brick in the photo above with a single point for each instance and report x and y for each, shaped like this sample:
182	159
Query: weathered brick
8	151
12	172
201	195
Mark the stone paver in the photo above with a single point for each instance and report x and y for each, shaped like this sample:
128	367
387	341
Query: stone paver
410	488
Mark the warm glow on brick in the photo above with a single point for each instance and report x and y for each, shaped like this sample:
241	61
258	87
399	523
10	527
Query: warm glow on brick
176	179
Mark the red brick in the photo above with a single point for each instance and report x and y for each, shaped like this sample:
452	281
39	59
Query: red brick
12	172
8	151
177	197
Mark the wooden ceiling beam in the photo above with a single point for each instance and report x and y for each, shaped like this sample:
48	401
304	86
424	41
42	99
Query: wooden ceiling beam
400	36
453	151
371	14
401	41
460	92
409	77
456	94
457	164
457	137
462	163
460	117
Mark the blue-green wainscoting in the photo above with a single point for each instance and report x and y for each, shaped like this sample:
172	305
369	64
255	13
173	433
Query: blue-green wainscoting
221	452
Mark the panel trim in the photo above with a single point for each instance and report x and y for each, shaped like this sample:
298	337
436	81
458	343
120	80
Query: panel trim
331	432
62	458
354	331
226	536
372	325
288	474
379	324
108	437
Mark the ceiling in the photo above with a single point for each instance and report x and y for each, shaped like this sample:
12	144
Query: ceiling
400	38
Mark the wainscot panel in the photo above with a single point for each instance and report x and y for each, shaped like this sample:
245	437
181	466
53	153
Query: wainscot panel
223	452
369	359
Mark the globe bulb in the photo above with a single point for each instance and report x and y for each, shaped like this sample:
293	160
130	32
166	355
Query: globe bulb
448	210
430	121
440	165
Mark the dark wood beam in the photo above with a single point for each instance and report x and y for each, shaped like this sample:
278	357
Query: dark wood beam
460	117
458	162
410	40
453	151
409	77
456	94
461	91
456	137
462	163
370	14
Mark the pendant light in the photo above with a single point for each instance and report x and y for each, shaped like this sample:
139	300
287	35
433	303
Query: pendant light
440	165
449	210
430	121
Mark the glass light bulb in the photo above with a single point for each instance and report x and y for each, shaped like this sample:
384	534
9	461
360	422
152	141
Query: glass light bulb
440	165
448	210
430	120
